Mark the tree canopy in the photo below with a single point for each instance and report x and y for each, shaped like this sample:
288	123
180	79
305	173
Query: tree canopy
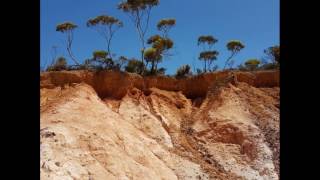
137	10
235	46
104	20
273	53
208	55
136	5
209	40
106	26
182	71
164	25
99	54
134	66
67	26
252	64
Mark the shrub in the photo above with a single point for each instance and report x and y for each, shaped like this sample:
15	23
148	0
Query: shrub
273	54
134	66
183	71
60	64
252	64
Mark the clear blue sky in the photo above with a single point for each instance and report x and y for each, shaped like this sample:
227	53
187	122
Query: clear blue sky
254	22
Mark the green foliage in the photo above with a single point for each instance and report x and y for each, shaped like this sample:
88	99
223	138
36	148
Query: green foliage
60	64
136	5
208	55
235	46
159	49
99	54
154	39
104	20
137	10
100	61
106	26
164	25
152	54
273	53
67	26
209	40
135	66
183	71
252	64
161	44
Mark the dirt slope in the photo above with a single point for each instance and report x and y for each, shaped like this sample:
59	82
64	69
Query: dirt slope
122	126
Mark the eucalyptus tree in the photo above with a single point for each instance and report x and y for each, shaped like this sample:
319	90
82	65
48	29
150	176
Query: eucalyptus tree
100	58
273	54
183	70
234	46
164	25
207	55
154	56
68	28
134	66
139	13
252	64
106	26
160	48
59	64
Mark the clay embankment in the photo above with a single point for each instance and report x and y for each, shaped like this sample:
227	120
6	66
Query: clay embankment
122	126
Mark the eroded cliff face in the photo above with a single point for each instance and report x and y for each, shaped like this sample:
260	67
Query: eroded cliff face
116	84
121	126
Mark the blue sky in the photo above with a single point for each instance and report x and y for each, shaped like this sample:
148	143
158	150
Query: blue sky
254	22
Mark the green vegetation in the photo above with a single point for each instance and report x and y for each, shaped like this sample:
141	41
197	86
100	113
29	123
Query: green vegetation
106	26
160	46
139	12
59	65
273	54
183	71
164	25
234	46
68	28
207	55
252	64
135	66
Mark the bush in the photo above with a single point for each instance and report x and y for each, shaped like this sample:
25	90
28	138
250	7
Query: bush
183	71
59	65
269	66
161	71
252	64
134	66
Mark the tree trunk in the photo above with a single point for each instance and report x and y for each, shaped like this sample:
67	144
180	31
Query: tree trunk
152	67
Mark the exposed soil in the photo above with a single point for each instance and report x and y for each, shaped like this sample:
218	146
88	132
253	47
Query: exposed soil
112	125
